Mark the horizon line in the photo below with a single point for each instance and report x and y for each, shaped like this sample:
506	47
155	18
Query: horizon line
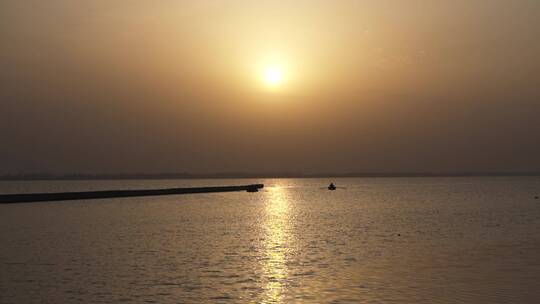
242	175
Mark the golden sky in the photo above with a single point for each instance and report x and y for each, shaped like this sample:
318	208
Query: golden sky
135	86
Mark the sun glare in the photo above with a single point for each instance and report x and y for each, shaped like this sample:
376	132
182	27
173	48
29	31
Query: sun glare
273	76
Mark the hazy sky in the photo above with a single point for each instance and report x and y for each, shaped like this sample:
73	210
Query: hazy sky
178	86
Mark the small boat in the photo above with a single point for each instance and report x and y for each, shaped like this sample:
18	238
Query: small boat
332	186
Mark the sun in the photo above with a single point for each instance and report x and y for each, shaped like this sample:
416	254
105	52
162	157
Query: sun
273	76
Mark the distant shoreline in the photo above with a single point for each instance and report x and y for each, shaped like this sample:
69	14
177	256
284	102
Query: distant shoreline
162	176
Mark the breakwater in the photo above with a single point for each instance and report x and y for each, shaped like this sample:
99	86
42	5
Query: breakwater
64	196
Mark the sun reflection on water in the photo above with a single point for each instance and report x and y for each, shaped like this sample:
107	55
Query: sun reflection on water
276	244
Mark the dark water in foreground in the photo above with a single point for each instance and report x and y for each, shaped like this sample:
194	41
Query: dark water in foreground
402	240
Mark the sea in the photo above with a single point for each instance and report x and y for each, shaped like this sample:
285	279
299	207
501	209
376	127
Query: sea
373	240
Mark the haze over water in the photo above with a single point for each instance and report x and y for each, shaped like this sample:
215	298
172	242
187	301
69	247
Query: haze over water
404	240
306	86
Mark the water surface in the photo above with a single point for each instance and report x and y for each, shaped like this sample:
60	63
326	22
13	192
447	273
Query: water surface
403	240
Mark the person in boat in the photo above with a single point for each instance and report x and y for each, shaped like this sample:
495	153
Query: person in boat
332	186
